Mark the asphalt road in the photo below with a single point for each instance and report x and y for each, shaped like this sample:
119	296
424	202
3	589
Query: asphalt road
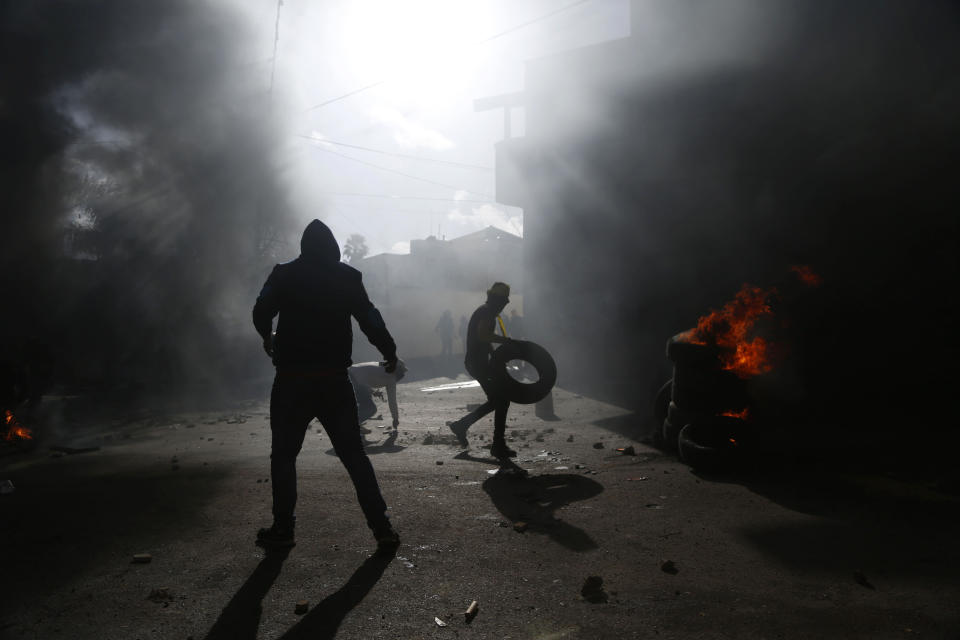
789	552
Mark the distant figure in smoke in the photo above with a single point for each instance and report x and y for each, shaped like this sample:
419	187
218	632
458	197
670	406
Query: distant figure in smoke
463	332
480	339
445	327
367	376
315	295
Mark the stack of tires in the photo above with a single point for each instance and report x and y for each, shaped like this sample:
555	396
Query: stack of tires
690	406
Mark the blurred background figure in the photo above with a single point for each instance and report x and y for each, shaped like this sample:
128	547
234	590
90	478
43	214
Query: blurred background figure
463	332
445	328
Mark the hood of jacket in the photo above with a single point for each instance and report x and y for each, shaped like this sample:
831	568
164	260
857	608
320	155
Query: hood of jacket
319	244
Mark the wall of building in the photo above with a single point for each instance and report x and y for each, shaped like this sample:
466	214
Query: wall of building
653	194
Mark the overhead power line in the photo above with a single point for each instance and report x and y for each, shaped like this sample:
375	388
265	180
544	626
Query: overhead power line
393	197
533	21
401	173
462	165
481	42
346	95
357	208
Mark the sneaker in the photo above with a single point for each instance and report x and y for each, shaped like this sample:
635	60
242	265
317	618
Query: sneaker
500	450
460	431
387	539
275	537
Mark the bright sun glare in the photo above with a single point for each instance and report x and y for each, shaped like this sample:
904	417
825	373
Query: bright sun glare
424	49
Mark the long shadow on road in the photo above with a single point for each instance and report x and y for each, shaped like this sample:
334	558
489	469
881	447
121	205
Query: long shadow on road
389	445
241	617
507	467
324	620
533	500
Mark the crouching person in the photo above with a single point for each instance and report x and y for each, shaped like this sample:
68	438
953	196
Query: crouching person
367	376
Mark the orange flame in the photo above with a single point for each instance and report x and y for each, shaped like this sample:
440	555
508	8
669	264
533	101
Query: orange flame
729	329
14	428
806	275
743	415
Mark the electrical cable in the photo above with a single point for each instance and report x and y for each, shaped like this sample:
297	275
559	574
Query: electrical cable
462	165
394	197
533	21
401	173
346	95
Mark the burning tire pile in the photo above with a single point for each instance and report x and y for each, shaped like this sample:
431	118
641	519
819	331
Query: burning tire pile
705	410
706	420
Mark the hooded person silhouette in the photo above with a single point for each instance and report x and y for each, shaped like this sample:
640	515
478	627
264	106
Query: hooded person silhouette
315	296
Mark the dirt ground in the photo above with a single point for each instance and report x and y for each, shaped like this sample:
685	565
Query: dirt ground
790	552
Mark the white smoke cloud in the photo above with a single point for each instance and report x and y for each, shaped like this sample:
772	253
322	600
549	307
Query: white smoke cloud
401	247
408	133
475	217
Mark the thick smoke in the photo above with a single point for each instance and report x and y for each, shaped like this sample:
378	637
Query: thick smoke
140	208
724	142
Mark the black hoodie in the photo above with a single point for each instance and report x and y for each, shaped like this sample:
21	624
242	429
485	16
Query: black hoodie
315	296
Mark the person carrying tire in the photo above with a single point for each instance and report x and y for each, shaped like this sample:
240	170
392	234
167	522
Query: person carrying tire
315	296
481	337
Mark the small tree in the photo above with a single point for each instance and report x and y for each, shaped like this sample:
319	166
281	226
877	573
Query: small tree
355	248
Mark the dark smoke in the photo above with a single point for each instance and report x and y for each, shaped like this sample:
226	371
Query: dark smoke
725	141
138	183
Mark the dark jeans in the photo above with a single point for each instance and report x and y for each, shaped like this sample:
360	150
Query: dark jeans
297	399
496	401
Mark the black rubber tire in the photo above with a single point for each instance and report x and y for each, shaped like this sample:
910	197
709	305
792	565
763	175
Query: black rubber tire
706	444
671	435
538	357
661	402
708	390
680	351
678	416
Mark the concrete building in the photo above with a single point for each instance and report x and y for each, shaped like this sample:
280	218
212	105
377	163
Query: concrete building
413	290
